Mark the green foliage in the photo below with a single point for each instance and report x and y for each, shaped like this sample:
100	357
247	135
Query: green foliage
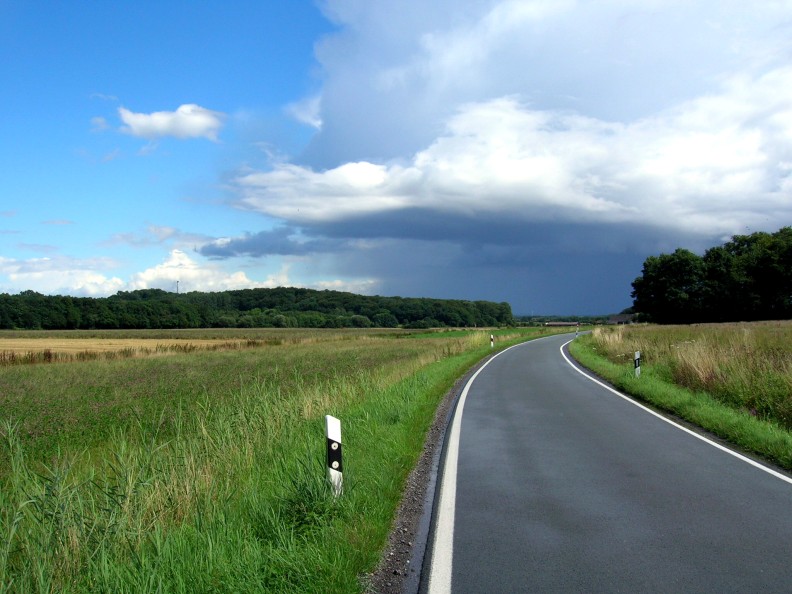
249	308
671	287
748	278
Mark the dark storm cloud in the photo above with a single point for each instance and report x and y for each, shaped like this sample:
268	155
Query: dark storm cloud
281	241
532	278
547	267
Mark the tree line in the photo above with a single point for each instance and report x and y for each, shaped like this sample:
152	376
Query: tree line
746	279
248	308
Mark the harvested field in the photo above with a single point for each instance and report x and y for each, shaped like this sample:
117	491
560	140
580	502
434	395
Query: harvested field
76	345
30	347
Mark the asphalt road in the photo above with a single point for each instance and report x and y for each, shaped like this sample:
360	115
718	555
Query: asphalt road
563	486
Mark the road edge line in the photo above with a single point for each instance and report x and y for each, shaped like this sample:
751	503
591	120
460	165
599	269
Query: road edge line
703	438
438	580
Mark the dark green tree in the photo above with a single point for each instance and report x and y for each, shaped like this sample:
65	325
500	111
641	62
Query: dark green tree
747	278
670	288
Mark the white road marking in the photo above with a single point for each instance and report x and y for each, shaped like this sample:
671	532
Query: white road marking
677	425
443	544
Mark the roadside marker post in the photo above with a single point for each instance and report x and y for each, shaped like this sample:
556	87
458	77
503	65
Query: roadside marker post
637	363
492	341
335	468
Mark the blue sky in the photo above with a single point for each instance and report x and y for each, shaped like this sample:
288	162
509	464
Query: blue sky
530	151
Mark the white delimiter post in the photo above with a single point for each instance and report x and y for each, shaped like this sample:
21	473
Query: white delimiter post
334	468
637	363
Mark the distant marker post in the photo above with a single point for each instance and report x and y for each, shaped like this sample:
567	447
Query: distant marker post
334	467
492	341
637	363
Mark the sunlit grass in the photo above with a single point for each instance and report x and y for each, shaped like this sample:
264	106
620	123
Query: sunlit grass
204	471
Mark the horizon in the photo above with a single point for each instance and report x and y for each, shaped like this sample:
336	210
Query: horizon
164	290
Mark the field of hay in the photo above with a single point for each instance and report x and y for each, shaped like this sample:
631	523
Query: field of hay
30	347
76	345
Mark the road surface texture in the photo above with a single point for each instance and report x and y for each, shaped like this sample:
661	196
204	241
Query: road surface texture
564	486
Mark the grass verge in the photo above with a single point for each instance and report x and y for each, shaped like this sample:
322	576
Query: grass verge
765	438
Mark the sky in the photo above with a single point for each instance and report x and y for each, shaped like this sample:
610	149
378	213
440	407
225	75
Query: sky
528	151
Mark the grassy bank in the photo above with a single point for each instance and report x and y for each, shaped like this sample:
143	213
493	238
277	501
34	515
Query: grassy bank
734	380
203	472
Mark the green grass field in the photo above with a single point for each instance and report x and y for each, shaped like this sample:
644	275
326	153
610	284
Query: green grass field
204	471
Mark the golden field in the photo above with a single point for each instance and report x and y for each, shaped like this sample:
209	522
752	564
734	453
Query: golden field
76	345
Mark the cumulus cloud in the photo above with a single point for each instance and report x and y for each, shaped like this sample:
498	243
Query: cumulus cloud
546	111
362	287
196	276
90	277
711	165
188	121
60	275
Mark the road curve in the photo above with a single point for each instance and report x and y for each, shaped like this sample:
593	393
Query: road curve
554	483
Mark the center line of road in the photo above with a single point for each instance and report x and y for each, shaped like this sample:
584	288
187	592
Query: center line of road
677	425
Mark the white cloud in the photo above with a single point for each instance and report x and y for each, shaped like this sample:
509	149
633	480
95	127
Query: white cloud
88	277
299	194
60	275
308	111
711	165
188	121
201	276
397	69
194	276
360	287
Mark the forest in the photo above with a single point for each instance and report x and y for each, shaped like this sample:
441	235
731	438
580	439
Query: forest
748	278
282	307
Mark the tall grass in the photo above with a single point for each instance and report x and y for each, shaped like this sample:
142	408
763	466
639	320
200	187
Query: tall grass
225	492
732	379
747	366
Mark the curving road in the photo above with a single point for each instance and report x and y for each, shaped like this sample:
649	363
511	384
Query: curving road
554	483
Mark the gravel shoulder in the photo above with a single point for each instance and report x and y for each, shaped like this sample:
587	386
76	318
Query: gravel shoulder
399	570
